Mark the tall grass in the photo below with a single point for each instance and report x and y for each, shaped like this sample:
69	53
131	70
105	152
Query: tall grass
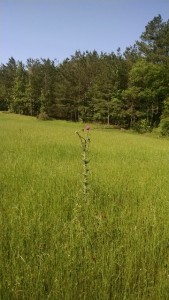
56	246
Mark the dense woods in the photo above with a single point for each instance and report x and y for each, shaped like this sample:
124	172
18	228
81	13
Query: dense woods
129	89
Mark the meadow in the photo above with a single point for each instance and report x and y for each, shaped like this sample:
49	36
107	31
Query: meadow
58	245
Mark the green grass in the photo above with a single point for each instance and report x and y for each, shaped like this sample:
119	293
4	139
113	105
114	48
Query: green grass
56	246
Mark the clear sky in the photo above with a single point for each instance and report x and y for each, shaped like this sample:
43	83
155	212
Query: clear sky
55	29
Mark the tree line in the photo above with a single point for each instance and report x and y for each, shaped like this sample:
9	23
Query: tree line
129	89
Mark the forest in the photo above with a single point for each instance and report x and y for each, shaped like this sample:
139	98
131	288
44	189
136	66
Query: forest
127	90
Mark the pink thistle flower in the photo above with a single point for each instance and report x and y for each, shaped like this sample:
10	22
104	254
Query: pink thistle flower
87	127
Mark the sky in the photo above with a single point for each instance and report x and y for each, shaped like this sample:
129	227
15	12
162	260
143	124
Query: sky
55	29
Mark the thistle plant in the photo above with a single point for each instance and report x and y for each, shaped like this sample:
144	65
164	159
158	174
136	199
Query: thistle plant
85	142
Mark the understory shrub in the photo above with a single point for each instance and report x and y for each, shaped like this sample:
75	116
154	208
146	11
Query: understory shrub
164	126
43	116
141	126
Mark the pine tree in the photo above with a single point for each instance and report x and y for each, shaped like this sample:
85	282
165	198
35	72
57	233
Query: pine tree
18	103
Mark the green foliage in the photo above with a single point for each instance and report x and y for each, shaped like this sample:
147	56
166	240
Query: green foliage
147	90
164	127
154	44
7	78
142	127
43	116
165	113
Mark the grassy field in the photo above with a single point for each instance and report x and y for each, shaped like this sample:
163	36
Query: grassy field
54	244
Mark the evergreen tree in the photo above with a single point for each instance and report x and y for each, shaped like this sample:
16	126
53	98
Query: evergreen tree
18	103
7	78
3	90
48	86
34	85
154	44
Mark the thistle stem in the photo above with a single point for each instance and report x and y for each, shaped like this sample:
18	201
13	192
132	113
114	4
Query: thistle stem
85	146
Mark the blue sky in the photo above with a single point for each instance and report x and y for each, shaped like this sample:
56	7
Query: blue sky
55	29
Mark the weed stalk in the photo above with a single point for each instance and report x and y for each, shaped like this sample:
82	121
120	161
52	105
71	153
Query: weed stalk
85	142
